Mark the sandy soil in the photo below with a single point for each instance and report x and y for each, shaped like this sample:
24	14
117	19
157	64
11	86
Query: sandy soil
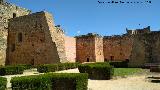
134	82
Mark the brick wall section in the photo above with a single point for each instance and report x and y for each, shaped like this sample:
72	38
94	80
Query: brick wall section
37	43
87	50
117	48
70	46
6	12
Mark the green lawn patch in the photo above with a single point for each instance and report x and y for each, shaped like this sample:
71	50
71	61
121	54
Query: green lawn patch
126	71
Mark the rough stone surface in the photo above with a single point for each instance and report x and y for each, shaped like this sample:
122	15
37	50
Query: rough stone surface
33	39
89	48
145	49
117	48
7	11
70	46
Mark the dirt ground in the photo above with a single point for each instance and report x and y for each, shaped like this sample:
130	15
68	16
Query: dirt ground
132	82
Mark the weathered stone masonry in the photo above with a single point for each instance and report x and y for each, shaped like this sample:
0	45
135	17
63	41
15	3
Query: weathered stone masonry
89	48
7	11
117	48
33	39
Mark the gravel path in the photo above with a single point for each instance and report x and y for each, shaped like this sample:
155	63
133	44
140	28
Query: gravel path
136	82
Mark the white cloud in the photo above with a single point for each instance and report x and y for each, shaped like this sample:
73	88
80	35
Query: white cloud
78	32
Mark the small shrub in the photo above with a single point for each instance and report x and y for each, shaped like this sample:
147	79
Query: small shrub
119	64
47	68
97	70
11	70
25	66
37	82
51	81
56	67
3	83
155	69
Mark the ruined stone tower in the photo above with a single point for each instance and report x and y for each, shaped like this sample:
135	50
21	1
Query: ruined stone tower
7	11
89	48
33	39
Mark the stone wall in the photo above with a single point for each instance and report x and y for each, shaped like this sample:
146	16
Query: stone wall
99	49
117	48
89	48
70	46
7	11
146	49
32	40
58	36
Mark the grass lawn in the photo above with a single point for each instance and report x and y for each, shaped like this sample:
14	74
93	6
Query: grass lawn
126	71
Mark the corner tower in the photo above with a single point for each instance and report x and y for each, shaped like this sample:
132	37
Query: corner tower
89	48
33	39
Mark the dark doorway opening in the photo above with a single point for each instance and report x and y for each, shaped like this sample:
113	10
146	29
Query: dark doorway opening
32	62
127	60
105	59
87	59
112	58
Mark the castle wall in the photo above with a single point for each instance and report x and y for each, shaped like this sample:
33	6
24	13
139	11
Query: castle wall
85	49
145	49
7	11
99	49
137	58
70	45
31	40
117	48
58	37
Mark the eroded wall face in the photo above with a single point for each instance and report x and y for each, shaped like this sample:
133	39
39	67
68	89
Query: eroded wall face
117	48
145	49
99	49
30	40
70	46
58	37
7	11
85	49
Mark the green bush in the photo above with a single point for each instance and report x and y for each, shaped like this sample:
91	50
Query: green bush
47	68
25	66
119	64
11	70
51	81
100	71
56	67
3	83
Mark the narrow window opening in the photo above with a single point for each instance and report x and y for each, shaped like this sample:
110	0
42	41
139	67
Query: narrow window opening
87	59
19	37
14	15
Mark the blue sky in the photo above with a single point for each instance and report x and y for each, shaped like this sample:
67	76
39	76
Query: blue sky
83	16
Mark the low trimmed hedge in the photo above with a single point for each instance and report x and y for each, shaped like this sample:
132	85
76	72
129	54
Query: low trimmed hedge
51	81
3	83
56	67
25	66
99	71
11	70
155	69
119	64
